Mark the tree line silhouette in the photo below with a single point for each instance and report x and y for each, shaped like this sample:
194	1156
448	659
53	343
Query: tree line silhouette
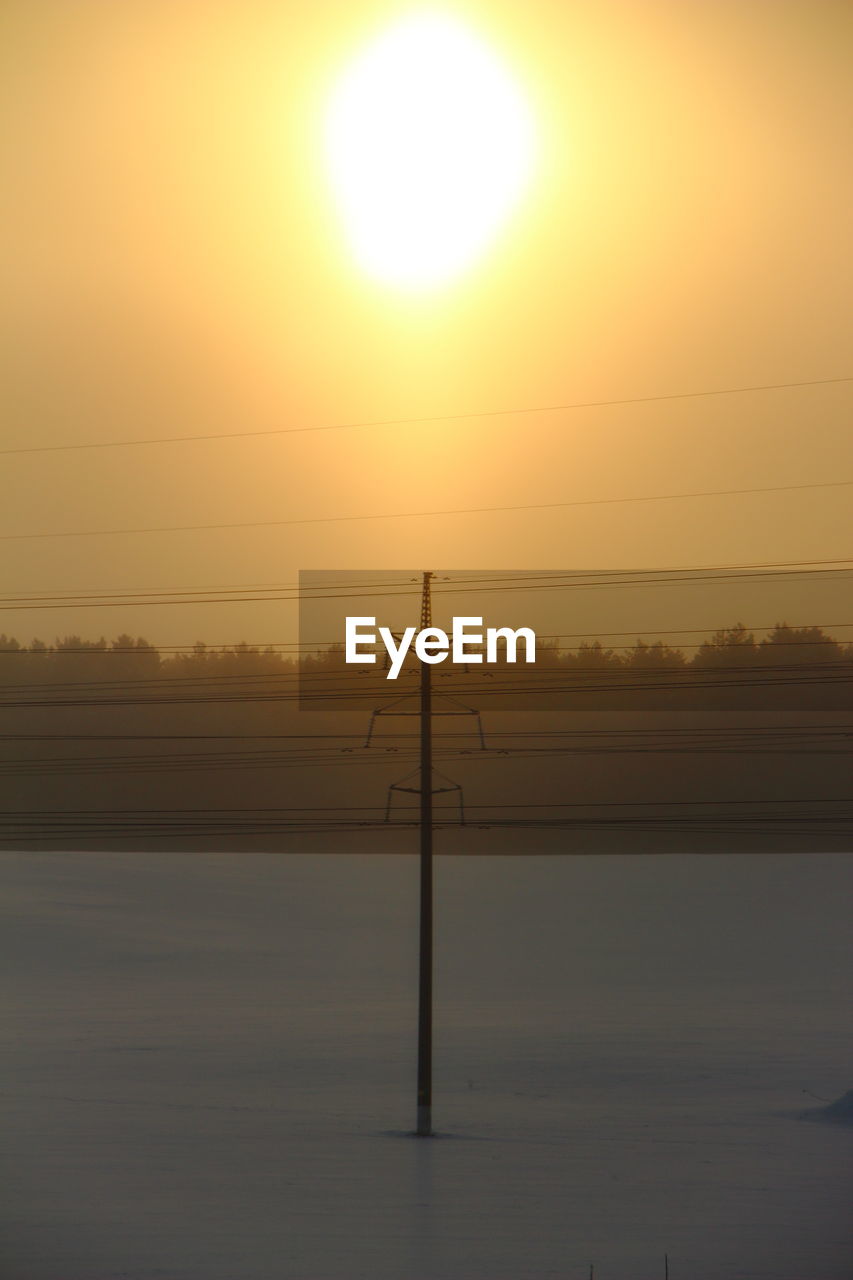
137	656
790	667
110	740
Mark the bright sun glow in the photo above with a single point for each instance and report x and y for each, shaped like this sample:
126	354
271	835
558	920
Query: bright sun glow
429	146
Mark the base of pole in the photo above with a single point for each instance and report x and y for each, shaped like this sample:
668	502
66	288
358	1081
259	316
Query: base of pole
424	1122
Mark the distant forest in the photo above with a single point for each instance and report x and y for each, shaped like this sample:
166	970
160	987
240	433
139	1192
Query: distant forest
798	667
736	745
729	645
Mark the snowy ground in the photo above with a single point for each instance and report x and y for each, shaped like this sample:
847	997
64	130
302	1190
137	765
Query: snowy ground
208	1068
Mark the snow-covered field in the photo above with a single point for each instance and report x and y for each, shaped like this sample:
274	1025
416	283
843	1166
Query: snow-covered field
208	1068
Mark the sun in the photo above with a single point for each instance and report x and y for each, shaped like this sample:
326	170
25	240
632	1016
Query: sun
429	146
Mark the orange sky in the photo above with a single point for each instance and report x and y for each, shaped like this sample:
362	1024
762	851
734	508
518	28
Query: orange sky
174	267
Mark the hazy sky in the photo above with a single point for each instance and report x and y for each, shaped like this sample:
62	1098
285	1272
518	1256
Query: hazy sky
173	265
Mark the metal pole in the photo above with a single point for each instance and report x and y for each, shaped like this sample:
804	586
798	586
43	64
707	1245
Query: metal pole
426	927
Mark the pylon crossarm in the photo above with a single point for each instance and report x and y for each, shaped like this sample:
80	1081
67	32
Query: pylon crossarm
447	697
466	711
454	786
388	710
416	791
400	784
389	806
370	728
451	785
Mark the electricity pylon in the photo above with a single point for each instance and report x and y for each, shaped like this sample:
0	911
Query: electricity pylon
426	789
424	1129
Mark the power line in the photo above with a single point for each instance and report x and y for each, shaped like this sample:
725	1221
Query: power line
353	584
801	740
278	679
39	815
845	730
298	589
215	652
100	824
442	417
550	581
414	515
624	680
